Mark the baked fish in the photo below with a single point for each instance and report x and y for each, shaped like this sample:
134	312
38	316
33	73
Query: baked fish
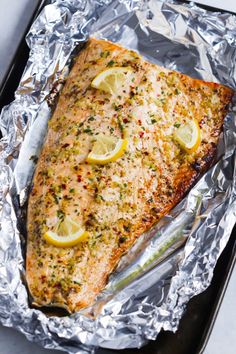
125	143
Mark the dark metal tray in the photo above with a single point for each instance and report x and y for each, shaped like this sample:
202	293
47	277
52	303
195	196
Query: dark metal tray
17	60
195	326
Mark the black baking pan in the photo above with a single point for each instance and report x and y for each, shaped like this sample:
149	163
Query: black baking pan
17	62
198	320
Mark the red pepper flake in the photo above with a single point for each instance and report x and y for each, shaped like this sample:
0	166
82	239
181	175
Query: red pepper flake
139	122
63	186
79	178
203	121
125	120
65	145
84	186
141	134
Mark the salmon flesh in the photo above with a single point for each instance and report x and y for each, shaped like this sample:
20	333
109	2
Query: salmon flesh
118	201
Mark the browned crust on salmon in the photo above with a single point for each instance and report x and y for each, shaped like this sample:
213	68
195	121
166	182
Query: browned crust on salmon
117	202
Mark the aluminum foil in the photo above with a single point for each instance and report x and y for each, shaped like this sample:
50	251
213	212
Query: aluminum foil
152	285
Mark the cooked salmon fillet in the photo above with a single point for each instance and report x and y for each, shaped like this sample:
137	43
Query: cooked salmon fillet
118	201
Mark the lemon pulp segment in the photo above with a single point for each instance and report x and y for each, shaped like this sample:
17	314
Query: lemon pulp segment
112	80
188	135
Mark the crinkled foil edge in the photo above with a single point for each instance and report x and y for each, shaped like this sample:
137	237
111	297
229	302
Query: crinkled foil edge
152	292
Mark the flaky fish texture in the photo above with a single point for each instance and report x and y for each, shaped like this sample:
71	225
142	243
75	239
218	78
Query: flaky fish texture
119	201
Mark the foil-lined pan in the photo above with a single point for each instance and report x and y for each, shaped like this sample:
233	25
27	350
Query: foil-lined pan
175	260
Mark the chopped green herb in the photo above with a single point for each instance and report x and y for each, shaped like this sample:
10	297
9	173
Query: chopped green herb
71	190
117	107
88	131
122	239
121	126
56	198
101	197
127	228
60	214
110	63
105	54
76	282
177	125
150	200
91	118
153	121
40	263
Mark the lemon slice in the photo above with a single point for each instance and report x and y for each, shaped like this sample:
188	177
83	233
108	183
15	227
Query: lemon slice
188	135
106	149
67	233
112	80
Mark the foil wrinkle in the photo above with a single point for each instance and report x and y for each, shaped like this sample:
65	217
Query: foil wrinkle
174	261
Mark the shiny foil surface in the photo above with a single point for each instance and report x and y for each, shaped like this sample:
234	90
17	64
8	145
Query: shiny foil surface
173	262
